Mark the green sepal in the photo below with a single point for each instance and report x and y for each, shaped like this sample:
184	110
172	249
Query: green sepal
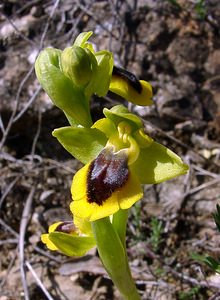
83	143
120	113
104	72
72	245
157	163
60	88
82	38
102	66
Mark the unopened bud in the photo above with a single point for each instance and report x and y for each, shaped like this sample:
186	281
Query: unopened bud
76	64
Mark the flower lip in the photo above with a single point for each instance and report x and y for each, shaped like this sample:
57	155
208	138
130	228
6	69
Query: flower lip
106	174
66	227
131	78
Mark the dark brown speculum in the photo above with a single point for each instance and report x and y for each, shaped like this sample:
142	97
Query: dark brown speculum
107	173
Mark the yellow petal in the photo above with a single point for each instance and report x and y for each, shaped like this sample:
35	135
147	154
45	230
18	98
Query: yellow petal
93	211
81	208
130	193
53	227
45	237
122	87
49	244
78	188
123	197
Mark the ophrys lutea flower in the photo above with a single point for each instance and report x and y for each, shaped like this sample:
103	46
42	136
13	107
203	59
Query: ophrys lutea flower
71	238
123	159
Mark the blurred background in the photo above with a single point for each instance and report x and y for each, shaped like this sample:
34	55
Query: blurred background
174	45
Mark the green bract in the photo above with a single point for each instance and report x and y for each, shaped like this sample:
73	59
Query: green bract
60	88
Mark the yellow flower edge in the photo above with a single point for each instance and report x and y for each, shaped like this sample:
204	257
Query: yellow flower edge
120	86
45	237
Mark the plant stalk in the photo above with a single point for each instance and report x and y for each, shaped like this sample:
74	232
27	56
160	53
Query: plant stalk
114	258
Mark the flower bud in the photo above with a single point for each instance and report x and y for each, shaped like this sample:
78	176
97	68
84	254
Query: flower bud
62	91
76	64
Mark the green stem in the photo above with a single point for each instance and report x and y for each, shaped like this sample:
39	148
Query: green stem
119	223
114	258
87	121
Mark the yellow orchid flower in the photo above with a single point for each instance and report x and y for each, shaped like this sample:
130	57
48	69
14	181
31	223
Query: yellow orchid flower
112	180
58	226
72	239
104	186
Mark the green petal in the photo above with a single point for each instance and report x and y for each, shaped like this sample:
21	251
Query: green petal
83	143
72	245
157	163
120	113
60	88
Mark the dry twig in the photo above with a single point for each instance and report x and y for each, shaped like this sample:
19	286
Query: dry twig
38	281
23	226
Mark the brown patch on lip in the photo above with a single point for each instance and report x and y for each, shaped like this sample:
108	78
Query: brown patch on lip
107	173
66	227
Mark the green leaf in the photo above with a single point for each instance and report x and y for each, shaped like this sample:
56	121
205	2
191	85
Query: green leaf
60	88
120	113
212	263
208	260
72	245
83	143
175	3
157	163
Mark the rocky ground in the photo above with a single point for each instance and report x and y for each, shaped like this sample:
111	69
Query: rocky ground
176	46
